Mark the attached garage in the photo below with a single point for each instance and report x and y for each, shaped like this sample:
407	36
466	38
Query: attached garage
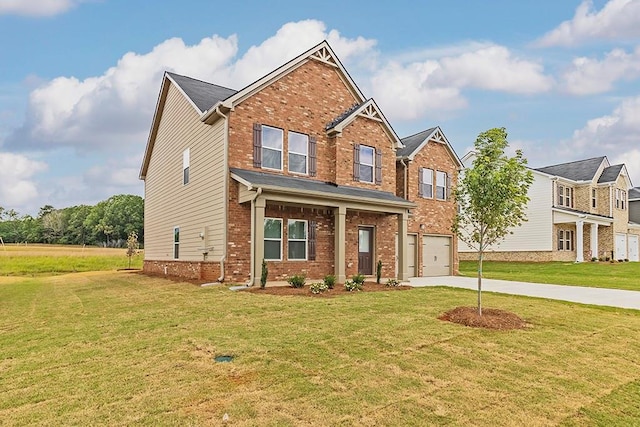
621	247
633	247
436	255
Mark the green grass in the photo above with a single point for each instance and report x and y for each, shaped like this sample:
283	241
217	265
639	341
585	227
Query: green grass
118	348
592	274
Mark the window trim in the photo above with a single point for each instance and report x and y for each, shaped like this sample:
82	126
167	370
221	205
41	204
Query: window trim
565	193
372	165
444	185
594	198
186	163
176	242
565	240
427	172
272	239
305	240
289	152
263	147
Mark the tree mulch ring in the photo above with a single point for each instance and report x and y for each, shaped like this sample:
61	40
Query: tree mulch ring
491	318
338	290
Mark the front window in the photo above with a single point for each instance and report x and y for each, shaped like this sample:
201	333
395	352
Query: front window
565	196
271	148
621	199
441	185
273	239
427	183
565	240
297	239
367	156
298	152
186	161
176	242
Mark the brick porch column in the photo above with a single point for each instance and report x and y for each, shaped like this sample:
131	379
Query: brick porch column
340	220
594	240
258	242
579	241
403	273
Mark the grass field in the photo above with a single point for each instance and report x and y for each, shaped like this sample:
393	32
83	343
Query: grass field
34	260
119	348
623	275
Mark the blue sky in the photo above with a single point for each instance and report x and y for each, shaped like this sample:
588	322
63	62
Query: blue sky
79	79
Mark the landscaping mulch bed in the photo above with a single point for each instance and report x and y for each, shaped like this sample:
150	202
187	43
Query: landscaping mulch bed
491	318
336	291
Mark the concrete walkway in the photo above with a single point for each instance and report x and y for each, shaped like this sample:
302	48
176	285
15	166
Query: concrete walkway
579	294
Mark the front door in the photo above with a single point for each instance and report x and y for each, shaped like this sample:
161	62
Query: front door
365	250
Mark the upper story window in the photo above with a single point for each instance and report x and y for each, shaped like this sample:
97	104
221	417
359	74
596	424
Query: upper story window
425	183
271	148
298	152
186	160
621	199
176	242
441	185
367	164
565	196
594	198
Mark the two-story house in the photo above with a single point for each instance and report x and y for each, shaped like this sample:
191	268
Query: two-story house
577	211
297	169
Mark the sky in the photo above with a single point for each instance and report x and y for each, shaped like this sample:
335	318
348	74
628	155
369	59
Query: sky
79	79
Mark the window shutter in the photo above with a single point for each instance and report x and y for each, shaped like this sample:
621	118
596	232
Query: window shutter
356	162
378	166
448	195
420	181
257	145
313	162
312	240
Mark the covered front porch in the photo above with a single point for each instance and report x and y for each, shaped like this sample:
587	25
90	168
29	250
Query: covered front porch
590	231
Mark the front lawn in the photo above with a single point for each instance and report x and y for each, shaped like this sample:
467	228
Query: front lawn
619	275
118	348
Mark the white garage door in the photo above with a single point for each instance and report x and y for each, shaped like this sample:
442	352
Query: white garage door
621	246
436	256
633	248
411	254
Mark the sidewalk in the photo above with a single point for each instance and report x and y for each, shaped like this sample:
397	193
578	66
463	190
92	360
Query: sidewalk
579	294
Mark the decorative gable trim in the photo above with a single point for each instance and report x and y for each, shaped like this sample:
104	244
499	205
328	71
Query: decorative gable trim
324	55
437	136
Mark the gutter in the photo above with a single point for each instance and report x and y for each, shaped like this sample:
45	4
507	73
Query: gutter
226	192
406	183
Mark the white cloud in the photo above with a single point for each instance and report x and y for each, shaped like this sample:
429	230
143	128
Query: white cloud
37	7
17	186
618	19
631	159
590	76
410	91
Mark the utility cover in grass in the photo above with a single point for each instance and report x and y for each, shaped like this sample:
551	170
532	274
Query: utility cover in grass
491	318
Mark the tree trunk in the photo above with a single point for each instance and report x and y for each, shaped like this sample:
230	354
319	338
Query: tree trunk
480	283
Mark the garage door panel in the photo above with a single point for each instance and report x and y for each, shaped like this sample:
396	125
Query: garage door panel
621	247
436	256
633	248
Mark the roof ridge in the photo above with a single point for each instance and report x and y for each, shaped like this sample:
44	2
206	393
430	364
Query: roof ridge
344	114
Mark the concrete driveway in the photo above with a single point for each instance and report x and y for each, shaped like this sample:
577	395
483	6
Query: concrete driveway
579	294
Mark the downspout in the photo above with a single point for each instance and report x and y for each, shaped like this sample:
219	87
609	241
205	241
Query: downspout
406	183
226	191
253	234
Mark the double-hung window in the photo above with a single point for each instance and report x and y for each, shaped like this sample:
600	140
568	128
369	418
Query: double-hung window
297	239
186	160
621	198
426	183
176	242
298	152
367	163
565	240
565	196
594	203
273	239
441	185
271	148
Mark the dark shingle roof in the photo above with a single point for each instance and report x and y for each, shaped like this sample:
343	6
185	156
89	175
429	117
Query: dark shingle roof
203	94
634	193
341	117
581	170
305	184
610	174
411	143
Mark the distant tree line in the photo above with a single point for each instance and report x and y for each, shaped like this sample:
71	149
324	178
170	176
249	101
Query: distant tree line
106	224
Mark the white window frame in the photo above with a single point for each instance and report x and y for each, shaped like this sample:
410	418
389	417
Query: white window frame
594	199
305	154
565	239
273	239
263	147
372	165
186	163
176	242
427	173
443	186
565	196
305	240
624	200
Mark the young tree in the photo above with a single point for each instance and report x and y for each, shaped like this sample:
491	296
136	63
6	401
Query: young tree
132	246
491	196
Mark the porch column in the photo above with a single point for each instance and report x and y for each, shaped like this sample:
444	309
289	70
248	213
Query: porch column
594	240
258	241
340	219
403	273
579	241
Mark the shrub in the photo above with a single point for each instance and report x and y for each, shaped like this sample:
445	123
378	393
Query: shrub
601	259
329	280
378	271
626	260
358	278
352	286
318	288
606	258
297	281
594	259
265	273
393	282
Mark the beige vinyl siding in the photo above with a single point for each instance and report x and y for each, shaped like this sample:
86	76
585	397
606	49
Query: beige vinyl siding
197	207
537	233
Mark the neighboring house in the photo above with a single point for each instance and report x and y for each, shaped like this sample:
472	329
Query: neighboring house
577	211
297	169
634	205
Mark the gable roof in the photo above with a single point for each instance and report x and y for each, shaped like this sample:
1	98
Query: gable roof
581	170
201	94
610	174
414	143
634	193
